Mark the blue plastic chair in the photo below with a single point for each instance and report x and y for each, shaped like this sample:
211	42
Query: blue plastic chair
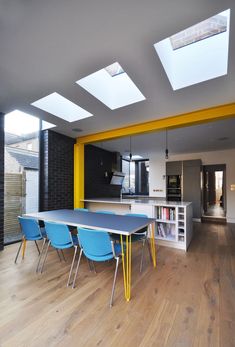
97	246
60	238
140	235
81	209
31	232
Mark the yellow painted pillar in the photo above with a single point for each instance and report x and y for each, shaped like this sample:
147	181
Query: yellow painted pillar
78	175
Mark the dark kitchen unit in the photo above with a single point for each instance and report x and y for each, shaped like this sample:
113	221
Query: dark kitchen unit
173	188
183	183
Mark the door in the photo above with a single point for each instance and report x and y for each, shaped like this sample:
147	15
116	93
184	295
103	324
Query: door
31	199
214	192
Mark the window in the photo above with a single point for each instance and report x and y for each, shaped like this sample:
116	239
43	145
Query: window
136	177
128	168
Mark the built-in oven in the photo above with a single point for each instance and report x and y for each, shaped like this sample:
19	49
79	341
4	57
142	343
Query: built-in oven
173	188
174	181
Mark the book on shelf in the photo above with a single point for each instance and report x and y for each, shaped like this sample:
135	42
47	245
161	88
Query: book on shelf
166	230
166	213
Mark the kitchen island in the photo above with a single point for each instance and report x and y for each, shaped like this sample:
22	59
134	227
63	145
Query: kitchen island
173	226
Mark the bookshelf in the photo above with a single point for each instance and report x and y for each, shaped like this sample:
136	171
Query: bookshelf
173	227
173	219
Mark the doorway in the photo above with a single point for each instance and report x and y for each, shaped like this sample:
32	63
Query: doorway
214	192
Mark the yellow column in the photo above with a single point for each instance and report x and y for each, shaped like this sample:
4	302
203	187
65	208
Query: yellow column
152	242
78	175
126	265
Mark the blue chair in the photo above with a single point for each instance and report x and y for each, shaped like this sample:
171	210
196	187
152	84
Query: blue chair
31	232
81	209
97	246
60	238
140	235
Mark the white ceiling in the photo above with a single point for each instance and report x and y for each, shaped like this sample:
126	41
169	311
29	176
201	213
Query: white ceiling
46	46
200	138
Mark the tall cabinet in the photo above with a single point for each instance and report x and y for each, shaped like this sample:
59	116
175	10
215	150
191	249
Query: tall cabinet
190	171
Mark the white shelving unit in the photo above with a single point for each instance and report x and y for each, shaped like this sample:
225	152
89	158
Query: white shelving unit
173	227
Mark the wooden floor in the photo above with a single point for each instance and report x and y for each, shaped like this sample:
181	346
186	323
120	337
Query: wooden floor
189	300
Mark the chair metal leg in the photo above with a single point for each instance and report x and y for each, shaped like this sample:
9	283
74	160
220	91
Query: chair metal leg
17	254
150	255
71	268
142	255
93	264
48	245
37	247
114	282
89	264
41	252
76	272
57	251
63	254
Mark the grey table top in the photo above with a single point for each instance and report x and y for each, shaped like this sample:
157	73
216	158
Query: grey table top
146	201
117	224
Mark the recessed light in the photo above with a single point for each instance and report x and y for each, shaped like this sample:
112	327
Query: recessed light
198	53
112	86
225	138
78	130
61	107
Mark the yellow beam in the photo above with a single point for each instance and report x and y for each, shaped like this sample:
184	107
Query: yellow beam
186	119
78	175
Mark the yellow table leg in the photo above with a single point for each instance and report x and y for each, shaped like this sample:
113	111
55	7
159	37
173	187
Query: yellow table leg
126	265
23	248
152	241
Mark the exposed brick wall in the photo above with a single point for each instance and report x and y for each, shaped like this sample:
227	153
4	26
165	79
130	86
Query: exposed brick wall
1	180
97	162
56	171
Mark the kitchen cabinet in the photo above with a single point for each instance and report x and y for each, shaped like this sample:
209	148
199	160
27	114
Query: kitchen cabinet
190	172
191	190
173	168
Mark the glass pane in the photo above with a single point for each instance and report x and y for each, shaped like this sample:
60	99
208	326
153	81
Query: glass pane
21	170
126	182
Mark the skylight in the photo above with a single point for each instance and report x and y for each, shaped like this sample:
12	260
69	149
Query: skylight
197	54
47	125
112	86
20	123
61	107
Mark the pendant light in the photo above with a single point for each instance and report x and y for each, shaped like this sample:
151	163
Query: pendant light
101	157
166	150
130	156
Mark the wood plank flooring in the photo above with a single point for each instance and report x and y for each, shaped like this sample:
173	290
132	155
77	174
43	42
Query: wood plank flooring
189	300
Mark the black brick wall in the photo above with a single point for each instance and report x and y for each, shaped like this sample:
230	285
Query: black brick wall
56	171
1	180
97	162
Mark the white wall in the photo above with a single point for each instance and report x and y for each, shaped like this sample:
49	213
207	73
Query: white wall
157	170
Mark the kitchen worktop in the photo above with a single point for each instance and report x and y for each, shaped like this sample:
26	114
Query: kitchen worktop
148	201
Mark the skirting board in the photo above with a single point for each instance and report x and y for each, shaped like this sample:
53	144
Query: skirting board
198	220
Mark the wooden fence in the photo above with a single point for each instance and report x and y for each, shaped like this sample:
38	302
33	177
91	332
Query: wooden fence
14	204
